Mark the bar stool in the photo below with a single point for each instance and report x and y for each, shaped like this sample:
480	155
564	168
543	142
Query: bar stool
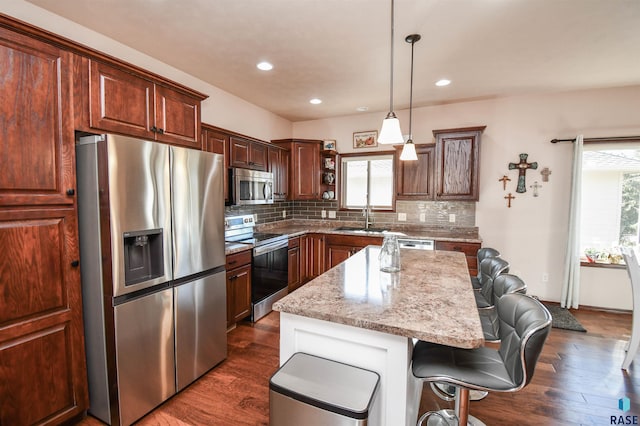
492	268
524	326
483	253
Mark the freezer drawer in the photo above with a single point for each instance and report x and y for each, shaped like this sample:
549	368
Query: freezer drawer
201	320
144	354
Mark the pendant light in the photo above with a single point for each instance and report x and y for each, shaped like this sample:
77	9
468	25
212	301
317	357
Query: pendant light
409	149
390	132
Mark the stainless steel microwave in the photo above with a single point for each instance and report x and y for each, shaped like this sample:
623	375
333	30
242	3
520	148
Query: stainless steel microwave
251	187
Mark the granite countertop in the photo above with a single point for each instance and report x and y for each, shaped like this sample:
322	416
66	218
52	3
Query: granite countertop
299	227
430	299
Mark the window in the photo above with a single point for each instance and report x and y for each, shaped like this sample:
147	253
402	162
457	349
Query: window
610	200
367	180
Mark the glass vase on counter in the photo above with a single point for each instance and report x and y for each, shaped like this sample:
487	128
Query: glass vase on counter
389	256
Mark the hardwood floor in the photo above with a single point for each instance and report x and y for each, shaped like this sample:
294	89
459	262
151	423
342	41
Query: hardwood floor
578	381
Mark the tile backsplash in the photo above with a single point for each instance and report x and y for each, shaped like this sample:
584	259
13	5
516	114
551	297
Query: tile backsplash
436	213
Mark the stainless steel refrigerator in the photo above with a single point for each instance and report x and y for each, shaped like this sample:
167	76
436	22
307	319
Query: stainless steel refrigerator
151	221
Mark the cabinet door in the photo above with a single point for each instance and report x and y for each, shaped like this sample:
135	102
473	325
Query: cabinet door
294	268
316	255
306	171
457	158
120	102
239	149
305	268
37	160
218	142
415	178
278	165
337	254
238	294
257	156
43	374
177	118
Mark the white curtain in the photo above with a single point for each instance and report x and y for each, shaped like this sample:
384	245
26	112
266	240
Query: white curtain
571	282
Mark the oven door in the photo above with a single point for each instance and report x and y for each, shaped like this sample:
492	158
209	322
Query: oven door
269	277
252	187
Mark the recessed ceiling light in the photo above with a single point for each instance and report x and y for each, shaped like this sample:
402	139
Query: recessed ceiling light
362	109
315	101
265	66
443	82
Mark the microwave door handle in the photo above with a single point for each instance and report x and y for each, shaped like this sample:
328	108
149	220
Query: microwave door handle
267	191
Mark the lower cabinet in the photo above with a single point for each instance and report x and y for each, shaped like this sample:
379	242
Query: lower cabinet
469	249
339	248
238	286
294	264
311	256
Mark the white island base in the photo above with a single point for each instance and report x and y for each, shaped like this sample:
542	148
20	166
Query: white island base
389	355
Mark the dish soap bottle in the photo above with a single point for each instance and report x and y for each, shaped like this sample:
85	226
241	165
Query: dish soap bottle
389	256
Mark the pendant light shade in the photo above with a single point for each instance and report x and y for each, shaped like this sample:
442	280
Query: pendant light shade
390	132
409	149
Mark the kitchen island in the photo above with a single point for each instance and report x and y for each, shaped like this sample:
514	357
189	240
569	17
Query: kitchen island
358	315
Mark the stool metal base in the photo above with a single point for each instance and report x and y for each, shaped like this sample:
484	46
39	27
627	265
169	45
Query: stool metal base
446	418
448	392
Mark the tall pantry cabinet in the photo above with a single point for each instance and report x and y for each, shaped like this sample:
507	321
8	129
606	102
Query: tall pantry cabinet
42	359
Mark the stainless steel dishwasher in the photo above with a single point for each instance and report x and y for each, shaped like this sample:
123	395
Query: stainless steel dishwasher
416	244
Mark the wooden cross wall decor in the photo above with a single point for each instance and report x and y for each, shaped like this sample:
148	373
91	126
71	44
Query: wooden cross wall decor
509	198
545	174
504	179
522	167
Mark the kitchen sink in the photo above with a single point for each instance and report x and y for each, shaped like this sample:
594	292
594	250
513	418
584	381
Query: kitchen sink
360	229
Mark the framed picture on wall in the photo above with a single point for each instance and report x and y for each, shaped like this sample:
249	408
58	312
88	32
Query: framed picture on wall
367	139
329	145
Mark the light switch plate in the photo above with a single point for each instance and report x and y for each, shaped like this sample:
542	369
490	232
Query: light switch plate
332	214
423	217
323	214
402	217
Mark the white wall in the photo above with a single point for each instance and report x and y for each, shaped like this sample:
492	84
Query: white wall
532	233
221	108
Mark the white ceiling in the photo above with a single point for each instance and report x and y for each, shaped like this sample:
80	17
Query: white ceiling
338	50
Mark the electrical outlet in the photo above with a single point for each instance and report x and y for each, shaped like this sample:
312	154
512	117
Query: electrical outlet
402	217
323	214
284	214
332	214
423	217
452	218
545	277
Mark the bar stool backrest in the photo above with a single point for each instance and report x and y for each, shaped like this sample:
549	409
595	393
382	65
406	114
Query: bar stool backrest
484	253
491	268
524	326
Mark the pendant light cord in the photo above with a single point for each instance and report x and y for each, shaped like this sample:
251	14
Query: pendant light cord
413	42
391	61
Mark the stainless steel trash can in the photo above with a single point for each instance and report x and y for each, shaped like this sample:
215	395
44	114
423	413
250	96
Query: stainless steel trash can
313	391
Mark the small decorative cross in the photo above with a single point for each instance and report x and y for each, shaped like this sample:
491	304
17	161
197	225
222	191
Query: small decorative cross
509	198
522	167
545	174
535	187
504	179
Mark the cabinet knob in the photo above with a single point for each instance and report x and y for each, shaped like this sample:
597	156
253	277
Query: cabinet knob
161	131
154	129
71	191
75	263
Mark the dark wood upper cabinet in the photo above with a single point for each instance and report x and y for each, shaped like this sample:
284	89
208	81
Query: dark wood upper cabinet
214	140
304	169
279	166
36	130
414	179
457	163
126	103
247	154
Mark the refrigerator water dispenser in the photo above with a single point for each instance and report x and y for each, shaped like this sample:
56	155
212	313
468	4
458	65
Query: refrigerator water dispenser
143	256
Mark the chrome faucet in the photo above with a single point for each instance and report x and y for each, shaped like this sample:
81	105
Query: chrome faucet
366	212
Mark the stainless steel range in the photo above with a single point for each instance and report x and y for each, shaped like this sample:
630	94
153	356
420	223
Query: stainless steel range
269	267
